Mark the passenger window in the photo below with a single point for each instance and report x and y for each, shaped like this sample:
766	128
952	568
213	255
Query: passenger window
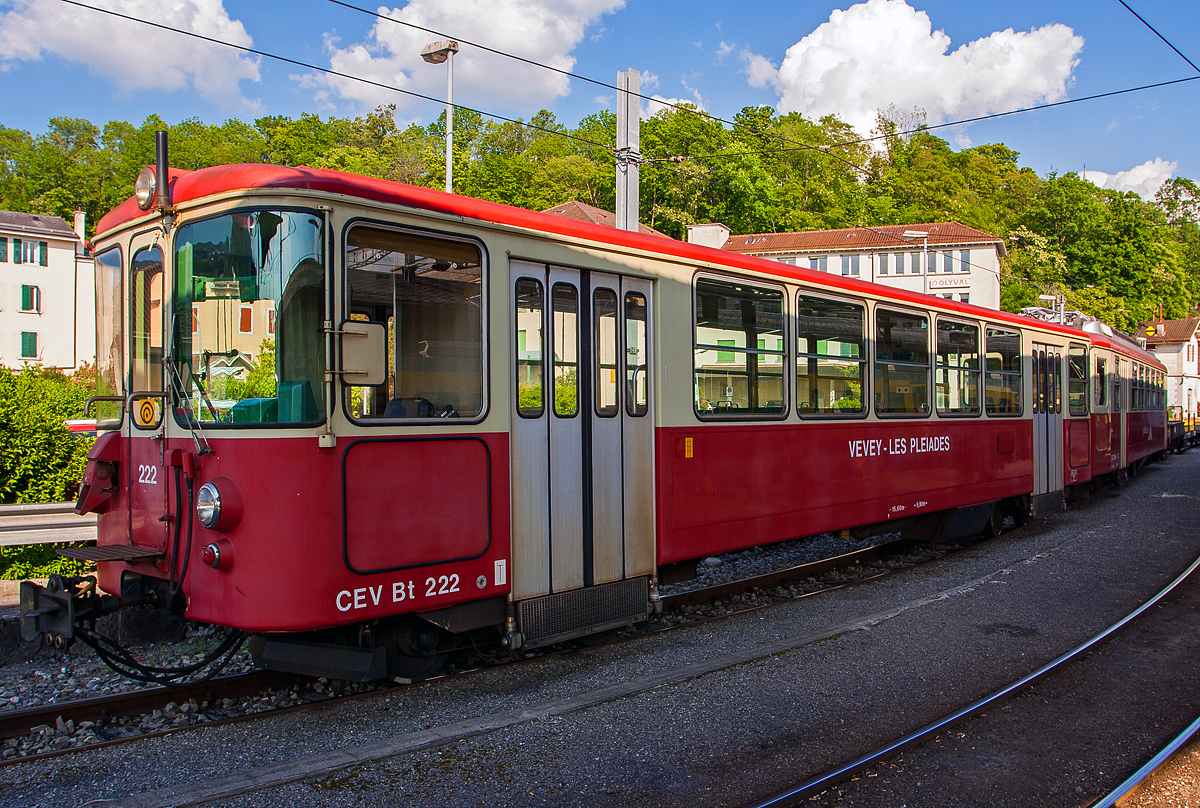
956	372
429	292
636	357
530	363
146	333
1003	380
565	325
1077	379
1101	382
739	349
831	356
604	350
901	363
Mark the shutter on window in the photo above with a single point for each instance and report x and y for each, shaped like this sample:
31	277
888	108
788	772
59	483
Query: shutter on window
3	250
16	251
26	298
43	254
29	344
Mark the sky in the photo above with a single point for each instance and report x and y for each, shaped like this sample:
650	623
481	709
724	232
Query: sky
954	59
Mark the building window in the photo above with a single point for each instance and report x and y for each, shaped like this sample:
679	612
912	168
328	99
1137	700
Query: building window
31	298
790	260
744	376
901	363
964	298
915	263
964	261
830	357
947	262
3	250
30	252
1002	386
246	320
725	356
899	263
195	319
271	321
850	265
819	263
29	345
948	297
883	263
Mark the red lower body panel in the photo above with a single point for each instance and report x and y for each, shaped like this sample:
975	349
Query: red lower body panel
741	486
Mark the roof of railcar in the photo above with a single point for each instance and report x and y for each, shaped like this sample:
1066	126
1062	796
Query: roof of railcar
188	186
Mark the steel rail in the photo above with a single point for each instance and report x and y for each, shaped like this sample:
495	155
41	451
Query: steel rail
135	702
796	794
791	575
1137	778
44	523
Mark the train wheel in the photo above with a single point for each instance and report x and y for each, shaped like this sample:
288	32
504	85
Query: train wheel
416	649
995	523
1020	513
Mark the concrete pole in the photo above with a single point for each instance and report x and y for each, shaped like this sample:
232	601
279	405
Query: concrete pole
629	156
450	123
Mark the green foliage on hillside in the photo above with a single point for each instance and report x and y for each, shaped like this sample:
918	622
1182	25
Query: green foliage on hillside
1112	254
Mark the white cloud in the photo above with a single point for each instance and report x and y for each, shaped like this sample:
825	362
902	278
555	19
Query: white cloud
118	49
1144	180
885	52
544	31
649	79
761	70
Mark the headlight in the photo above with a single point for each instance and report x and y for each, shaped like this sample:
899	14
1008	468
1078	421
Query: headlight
143	188
208	505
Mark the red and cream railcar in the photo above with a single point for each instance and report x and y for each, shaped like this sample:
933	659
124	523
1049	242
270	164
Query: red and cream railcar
356	417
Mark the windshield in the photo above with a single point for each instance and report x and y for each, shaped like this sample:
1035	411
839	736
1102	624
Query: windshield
249	310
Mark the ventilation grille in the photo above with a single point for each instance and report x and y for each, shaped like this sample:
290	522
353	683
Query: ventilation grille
583	611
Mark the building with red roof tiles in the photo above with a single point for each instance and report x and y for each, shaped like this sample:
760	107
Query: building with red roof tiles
1174	342
582	212
947	259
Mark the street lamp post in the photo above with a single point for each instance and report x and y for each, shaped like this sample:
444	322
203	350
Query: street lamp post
924	236
435	53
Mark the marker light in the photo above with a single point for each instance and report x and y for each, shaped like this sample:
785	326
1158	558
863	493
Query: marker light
208	505
143	188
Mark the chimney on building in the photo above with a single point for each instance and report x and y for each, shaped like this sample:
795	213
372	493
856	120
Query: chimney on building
81	231
708	235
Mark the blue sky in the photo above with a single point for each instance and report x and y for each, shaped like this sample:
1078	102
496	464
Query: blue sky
61	60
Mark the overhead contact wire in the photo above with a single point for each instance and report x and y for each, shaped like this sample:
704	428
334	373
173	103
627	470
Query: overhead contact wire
332	72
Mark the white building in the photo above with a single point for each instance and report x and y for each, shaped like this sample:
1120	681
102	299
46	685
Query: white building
1174	342
947	259
47	293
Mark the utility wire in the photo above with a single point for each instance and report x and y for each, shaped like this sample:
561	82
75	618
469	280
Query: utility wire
798	146
1160	36
332	72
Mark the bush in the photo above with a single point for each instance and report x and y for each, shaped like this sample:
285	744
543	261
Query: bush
40	459
39	561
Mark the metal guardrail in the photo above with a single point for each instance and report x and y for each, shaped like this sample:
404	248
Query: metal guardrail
44	523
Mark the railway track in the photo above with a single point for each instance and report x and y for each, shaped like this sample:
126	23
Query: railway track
18	723
802	792
1138	779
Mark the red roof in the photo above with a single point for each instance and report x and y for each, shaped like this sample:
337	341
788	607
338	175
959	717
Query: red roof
1173	330
583	212
191	185
886	236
